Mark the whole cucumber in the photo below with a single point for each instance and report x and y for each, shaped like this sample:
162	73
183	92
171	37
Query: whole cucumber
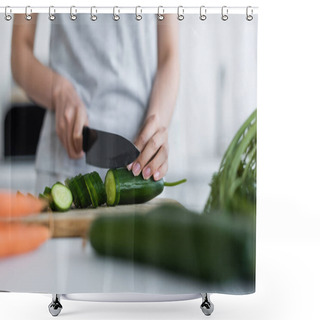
216	249
122	187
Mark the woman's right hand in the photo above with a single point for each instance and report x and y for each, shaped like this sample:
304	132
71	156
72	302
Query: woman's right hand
71	116
47	88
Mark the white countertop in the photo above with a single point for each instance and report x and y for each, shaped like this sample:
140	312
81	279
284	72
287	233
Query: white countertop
65	266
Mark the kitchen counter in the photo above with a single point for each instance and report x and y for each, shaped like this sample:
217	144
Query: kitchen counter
66	266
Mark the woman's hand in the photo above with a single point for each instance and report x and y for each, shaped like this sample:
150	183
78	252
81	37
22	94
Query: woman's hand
153	144
71	116
153	138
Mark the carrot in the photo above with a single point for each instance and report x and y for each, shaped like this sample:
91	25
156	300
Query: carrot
17	238
15	205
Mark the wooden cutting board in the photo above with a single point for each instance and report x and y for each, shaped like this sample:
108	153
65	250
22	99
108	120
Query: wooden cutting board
76	222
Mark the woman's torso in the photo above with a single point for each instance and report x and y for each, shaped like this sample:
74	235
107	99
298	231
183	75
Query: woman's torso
112	65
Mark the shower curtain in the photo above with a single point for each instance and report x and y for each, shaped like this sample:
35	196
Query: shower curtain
181	87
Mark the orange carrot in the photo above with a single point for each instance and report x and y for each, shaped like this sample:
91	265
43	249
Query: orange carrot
15	205
16	238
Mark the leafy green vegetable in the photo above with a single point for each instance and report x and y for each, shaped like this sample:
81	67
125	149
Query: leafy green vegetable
233	187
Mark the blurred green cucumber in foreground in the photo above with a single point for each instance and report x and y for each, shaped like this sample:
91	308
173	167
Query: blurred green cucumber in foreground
214	248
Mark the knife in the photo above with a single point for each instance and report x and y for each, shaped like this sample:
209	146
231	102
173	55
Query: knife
107	150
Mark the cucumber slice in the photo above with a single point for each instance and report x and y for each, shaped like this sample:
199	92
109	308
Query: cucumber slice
112	188
47	191
99	187
70	183
82	191
47	196
61	197
92	191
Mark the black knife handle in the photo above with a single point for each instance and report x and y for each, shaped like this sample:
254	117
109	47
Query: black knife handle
85	136
89	137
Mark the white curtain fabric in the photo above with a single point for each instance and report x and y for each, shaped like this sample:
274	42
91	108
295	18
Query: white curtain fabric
218	91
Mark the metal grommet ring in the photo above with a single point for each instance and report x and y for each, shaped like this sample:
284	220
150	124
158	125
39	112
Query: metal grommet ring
203	13
138	16
52	10
116	16
180	13
249	17
7	16
224	13
28	12
93	16
160	15
73	15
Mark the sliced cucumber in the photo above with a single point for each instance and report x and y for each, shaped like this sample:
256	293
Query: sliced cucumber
111	186
61	197
92	191
82	191
99	187
46	195
47	191
74	188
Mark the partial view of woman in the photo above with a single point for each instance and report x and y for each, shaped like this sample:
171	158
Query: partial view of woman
116	77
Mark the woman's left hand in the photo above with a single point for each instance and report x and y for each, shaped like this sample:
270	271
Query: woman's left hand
153	144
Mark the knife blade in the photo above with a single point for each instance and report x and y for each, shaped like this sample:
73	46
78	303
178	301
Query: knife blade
106	149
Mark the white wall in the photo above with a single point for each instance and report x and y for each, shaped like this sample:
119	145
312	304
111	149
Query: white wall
218	91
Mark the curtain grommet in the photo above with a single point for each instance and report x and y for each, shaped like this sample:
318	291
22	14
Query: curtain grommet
180	13
116	16
224	13
52	11
138	15
249	16
7	15
28	12
203	13
160	16
73	13
93	16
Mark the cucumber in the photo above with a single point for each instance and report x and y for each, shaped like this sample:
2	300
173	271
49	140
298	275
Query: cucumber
87	190
122	187
82	191
46	195
92	191
217	249
61	197
99	187
47	191
112	188
74	190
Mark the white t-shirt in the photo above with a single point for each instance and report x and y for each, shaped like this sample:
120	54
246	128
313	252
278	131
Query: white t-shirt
112	65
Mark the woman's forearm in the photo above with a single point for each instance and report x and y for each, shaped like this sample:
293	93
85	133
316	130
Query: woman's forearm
165	88
152	139
165	91
48	88
36	79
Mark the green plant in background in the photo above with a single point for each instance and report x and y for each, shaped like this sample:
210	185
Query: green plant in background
233	187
